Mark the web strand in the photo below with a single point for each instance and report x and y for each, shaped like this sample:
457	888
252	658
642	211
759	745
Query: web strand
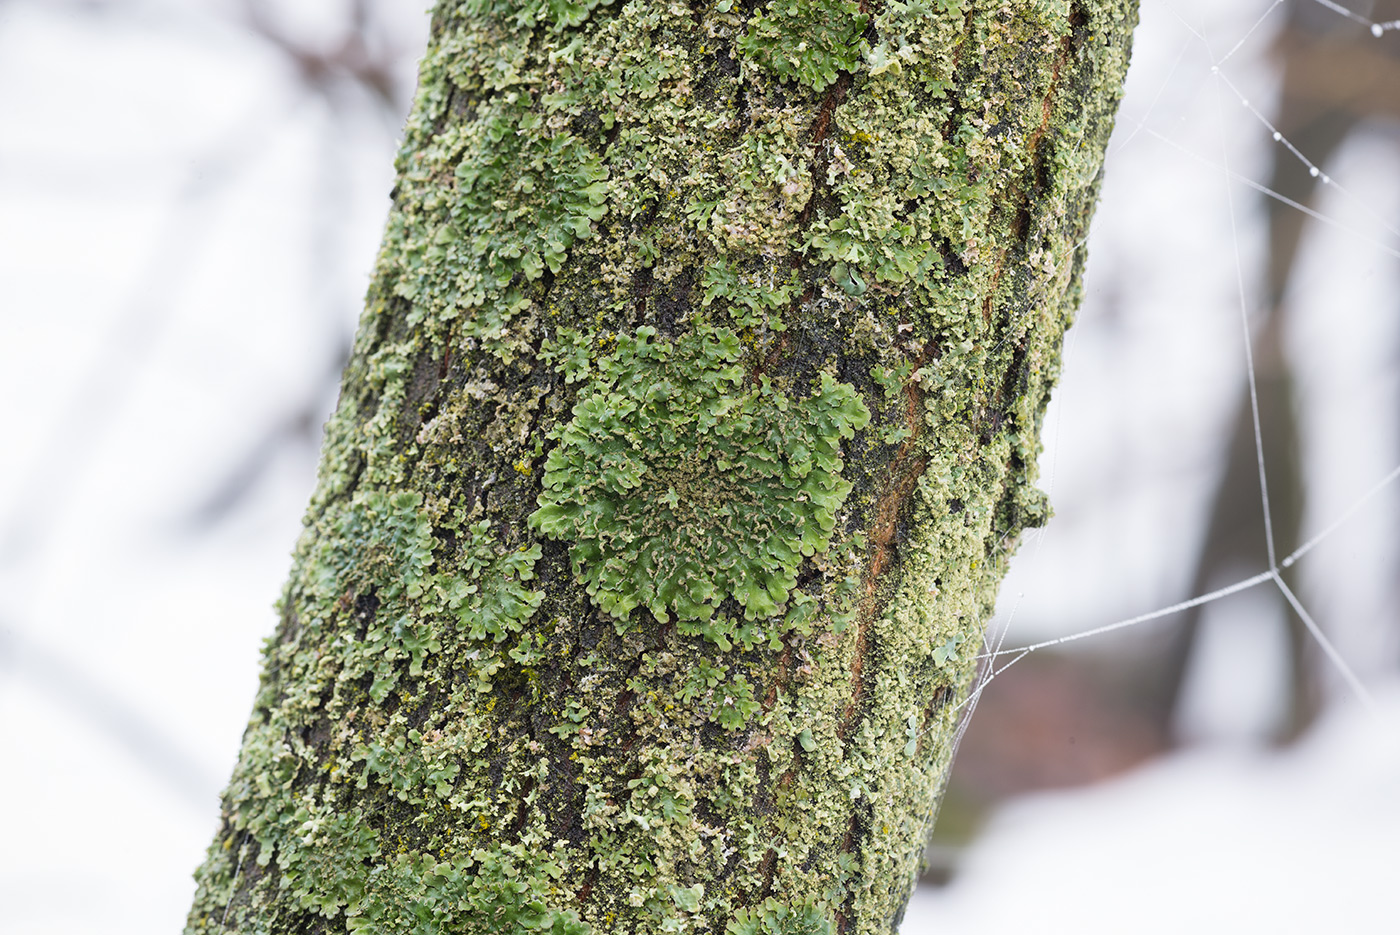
1276	196
1336	524
1347	674
1248	343
1243	585
1245	38
1377	29
1217	594
1142	121
1313	169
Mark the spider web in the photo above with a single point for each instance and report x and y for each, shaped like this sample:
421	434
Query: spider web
1236	119
1196	134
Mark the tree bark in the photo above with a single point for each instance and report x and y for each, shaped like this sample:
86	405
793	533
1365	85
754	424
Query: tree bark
690	424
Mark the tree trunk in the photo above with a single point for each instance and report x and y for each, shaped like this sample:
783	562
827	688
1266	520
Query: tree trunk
691	420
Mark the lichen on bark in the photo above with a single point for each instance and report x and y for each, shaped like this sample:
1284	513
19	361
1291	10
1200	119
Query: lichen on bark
691	421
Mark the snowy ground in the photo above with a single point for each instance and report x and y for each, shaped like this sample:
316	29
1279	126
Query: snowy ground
185	229
1218	839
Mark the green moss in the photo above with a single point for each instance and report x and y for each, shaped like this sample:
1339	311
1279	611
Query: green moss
683	479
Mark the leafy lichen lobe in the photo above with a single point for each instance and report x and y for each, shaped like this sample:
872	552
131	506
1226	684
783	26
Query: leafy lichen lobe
682	482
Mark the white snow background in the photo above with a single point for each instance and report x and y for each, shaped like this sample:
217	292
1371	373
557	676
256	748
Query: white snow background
185	232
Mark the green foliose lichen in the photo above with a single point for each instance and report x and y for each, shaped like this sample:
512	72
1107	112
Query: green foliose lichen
499	890
684	479
807	41
385	544
691	421
554	189
775	918
558	14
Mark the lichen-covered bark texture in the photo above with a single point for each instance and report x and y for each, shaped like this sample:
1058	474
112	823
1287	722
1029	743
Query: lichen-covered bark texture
691	421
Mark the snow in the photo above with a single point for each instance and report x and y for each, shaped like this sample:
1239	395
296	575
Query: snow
1216	839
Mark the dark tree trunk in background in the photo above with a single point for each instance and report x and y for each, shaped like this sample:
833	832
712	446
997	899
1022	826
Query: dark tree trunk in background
691	421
